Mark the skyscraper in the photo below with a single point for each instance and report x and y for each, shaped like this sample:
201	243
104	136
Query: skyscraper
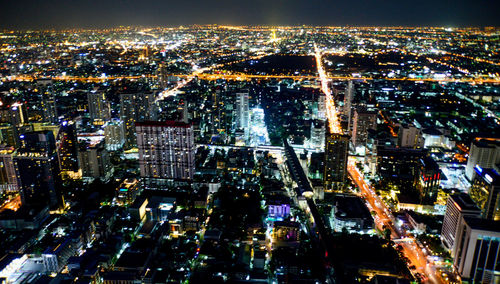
114	133
37	170
336	151
484	153
166	149
363	120
134	107
242	115
457	206
94	161
99	110
348	97
485	191
477	251
67	148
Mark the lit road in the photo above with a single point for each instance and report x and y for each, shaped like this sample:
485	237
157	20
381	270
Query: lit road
12	204
331	110
384	217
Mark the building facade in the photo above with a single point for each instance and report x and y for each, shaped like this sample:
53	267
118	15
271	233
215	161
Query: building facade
166	149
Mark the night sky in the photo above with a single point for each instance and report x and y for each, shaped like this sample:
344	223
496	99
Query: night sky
38	14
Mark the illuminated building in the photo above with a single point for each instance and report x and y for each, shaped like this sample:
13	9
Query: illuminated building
400	165
94	161
485	191
410	136
37	169
348	97
114	134
127	191
67	147
166	149
15	114
428	180
485	154
242	115
349	212
362	121
317	138
477	251
99	110
8	135
8	179
457	206
336	152
134	107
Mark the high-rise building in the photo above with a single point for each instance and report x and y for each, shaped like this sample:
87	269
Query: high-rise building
8	135
134	107
37	170
477	251
428	180
99	109
317	138
348	97
67	147
166	149
8	178
410	136
457	206
94	161
49	111
485	191
114	134
242	115
336	151
15	114
363	120
484	153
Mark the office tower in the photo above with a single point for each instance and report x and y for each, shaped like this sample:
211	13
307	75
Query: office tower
99	109
134	107
37	170
15	114
428	180
317	139
410	136
485	191
94	161
484	153
363	120
166	149
8	178
336	150
114	134
477	254
457	206
67	147
242	115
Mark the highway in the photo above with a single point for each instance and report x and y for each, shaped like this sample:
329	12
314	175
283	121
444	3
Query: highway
331	110
384	217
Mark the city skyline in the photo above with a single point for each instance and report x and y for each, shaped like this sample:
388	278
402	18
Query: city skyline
60	14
